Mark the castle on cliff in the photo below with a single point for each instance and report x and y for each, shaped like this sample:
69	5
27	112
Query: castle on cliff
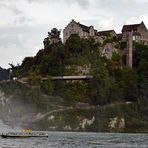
129	33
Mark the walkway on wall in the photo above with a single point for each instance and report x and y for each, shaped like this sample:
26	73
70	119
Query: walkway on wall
69	78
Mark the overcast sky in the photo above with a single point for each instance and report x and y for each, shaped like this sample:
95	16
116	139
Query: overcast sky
25	23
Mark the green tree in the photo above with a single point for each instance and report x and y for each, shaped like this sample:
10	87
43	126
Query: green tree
73	45
141	66
99	84
128	83
46	86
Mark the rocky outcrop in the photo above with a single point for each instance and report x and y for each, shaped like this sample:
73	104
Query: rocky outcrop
86	122
116	124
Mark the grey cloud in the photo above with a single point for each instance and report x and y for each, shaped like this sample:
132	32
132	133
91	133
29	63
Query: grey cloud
20	18
18	42
16	10
11	5
124	6
82	3
122	10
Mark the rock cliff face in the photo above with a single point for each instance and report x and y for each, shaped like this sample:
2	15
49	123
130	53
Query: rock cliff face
87	122
117	123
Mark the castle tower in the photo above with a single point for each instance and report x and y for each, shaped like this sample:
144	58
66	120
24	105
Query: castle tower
129	59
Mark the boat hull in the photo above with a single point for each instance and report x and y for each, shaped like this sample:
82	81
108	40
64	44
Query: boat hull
5	136
23	135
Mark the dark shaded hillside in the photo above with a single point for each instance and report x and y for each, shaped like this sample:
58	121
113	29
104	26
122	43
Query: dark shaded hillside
29	108
3	74
112	80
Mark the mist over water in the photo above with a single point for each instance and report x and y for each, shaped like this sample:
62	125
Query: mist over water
5	128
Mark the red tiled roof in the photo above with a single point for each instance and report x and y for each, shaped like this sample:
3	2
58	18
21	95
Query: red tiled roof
132	27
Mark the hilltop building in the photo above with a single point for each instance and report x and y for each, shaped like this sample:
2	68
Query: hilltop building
88	31
130	33
76	28
110	33
139	32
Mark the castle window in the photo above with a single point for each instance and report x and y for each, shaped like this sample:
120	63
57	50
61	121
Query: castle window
134	38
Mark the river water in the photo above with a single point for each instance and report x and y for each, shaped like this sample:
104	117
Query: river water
76	140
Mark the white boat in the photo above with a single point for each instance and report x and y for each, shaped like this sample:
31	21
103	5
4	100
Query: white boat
24	134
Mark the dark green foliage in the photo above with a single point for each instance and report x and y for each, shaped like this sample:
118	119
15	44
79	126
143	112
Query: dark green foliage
46	86
112	82
26	96
141	66
116	57
53	34
77	92
99	84
73	45
34	79
128	84
4	74
123	45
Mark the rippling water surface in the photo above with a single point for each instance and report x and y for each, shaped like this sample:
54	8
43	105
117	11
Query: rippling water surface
77	140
